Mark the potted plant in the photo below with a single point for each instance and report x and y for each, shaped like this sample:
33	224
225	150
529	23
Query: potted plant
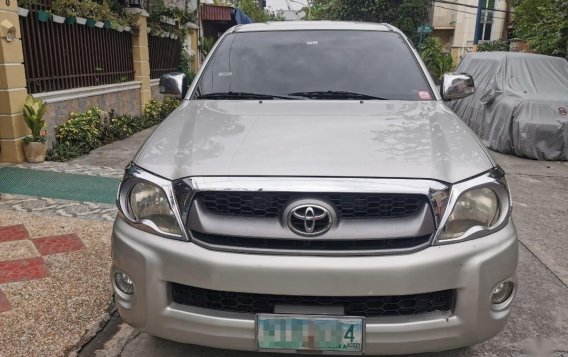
99	24
58	19
81	20
65	8
43	15
34	144
24	7
23	12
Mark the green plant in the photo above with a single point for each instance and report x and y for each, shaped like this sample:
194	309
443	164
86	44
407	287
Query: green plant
27	3
34	110
65	7
120	127
490	46
437	61
155	111
82	130
543	24
206	44
186	65
63	152
168	105
407	15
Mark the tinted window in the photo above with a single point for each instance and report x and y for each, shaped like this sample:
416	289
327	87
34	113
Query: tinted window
374	63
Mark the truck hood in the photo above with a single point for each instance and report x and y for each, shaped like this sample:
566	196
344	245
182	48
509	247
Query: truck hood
394	139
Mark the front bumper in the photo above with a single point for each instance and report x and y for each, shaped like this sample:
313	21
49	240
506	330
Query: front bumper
473	268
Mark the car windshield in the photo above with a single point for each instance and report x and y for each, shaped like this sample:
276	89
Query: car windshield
365	65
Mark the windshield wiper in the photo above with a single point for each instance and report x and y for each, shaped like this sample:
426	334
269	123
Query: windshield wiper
335	94
243	95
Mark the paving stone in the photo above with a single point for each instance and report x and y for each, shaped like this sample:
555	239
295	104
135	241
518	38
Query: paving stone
58	244
10	233
23	270
4	303
57	207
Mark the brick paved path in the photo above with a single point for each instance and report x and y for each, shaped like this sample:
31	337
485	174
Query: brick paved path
15	241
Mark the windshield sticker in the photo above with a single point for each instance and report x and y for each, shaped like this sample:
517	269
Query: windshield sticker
312	43
225	74
424	95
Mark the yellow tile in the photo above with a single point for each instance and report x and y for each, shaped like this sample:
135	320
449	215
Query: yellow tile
11	151
145	96
11	52
11	16
12	101
13	126
140	53
142	69
12	76
9	6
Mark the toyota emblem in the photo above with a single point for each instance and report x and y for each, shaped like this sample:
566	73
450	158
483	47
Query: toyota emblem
309	220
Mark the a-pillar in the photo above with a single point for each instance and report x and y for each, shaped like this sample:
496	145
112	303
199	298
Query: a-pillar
12	85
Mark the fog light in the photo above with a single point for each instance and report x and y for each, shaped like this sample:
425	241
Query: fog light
502	292
124	283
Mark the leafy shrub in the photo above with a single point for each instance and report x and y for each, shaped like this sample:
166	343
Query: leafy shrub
82	129
437	61
153	112
185	66
120	127
86	131
168	105
491	46
64	152
156	111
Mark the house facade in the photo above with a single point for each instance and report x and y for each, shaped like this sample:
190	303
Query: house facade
454	23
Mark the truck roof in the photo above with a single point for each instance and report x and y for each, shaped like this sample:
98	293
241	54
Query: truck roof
313	25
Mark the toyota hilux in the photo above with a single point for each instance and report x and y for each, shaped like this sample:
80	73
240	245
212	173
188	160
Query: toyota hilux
313	194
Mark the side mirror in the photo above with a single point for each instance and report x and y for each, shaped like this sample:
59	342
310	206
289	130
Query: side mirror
457	86
173	84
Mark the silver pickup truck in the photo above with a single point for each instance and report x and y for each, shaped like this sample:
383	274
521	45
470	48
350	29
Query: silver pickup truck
313	194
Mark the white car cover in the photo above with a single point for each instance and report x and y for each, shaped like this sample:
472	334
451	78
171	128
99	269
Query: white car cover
520	104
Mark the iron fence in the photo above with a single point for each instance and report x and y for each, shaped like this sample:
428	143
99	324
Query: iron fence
63	56
164	55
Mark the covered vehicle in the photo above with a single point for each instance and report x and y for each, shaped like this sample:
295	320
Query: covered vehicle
520	106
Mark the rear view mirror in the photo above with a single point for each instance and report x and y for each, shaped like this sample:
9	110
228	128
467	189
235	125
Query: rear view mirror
457	86
173	84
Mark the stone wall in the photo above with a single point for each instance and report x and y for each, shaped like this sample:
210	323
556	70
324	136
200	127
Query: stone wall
124	98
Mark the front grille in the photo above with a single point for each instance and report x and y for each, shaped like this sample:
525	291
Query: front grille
368	306
349	206
312	244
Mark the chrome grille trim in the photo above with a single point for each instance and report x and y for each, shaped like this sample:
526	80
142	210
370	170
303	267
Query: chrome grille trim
436	192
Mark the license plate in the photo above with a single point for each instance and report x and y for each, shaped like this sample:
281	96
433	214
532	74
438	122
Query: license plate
313	333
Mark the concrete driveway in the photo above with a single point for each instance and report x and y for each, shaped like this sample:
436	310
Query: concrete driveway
539	322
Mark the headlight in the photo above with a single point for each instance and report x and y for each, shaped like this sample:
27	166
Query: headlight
477	207
149	202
